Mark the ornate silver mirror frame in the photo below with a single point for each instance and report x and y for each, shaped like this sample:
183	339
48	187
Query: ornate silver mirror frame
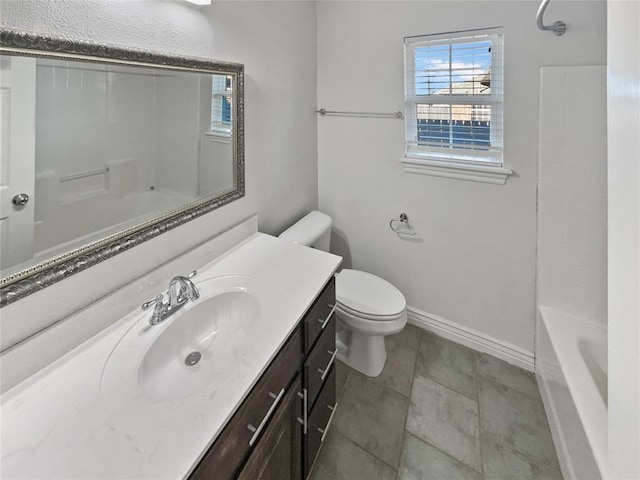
25	282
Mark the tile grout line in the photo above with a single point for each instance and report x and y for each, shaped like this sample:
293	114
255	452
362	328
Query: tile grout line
383	387
357	445
531	460
406	416
421	439
448	386
476	401
500	385
426	441
444	453
457	460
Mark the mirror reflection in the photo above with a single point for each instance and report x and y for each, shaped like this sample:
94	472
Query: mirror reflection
90	149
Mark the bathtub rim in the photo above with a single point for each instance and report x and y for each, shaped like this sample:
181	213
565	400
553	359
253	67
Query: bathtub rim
590	406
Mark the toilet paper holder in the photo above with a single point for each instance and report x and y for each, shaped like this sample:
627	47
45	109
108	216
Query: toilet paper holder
403	219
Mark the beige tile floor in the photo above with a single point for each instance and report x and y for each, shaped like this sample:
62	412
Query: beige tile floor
438	411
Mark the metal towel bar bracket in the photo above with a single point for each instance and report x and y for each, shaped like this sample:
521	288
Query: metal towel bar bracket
403	219
559	28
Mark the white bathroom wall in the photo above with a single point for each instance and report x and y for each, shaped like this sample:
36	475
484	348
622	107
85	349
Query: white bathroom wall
572	191
470	271
276	42
623	102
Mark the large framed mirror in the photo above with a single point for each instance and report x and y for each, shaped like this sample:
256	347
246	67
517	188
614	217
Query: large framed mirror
103	148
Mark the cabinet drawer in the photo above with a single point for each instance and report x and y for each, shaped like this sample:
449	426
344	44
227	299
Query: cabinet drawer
316	320
319	419
225	457
278	454
318	365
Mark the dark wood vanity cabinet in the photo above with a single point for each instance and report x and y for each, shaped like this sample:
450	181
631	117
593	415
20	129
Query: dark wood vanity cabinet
319	372
278	455
252	422
277	431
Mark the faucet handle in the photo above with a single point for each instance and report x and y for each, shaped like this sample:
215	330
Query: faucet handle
156	301
192	274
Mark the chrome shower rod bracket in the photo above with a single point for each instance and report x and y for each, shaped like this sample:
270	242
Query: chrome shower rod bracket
559	28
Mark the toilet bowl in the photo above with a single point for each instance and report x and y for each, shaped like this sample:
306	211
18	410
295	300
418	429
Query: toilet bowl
368	308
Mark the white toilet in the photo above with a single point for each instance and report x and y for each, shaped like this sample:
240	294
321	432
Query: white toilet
368	307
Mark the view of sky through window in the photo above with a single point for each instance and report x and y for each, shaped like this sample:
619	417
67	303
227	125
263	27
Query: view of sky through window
440	69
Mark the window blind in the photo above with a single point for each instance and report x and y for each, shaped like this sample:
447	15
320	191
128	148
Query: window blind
221	96
453	96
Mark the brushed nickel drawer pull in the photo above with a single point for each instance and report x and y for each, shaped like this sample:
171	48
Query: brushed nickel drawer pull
266	417
328	367
326	320
326	428
303	421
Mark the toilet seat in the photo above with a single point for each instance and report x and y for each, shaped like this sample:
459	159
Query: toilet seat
367	316
368	296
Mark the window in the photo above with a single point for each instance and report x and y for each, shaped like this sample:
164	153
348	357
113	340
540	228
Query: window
453	103
221	96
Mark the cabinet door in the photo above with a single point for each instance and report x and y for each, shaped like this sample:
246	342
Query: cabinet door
278	454
319	420
225	458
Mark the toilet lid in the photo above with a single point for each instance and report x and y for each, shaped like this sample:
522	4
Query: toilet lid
366	293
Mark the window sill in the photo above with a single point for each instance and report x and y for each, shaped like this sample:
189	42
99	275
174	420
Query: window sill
220	137
460	171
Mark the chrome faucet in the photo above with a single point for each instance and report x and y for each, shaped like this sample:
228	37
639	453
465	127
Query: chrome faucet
181	291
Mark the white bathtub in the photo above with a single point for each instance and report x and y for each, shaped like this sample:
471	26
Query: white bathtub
571	367
65	225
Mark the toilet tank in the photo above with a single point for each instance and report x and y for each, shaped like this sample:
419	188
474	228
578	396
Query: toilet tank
314	230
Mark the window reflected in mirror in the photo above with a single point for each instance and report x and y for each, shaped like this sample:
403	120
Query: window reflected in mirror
221	96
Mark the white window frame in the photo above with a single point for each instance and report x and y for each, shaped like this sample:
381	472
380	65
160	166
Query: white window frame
483	165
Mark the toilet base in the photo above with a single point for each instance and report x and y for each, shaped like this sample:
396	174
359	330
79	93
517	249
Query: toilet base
365	353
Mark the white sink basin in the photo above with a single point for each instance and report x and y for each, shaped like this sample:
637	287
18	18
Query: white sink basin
178	359
188	350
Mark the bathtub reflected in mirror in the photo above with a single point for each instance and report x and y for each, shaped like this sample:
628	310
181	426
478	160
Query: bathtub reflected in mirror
102	145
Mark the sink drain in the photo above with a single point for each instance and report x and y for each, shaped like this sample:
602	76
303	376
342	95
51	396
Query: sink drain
192	359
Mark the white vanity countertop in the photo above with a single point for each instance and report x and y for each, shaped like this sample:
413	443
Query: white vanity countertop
67	421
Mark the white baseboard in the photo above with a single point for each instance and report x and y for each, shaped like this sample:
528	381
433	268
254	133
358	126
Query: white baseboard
471	338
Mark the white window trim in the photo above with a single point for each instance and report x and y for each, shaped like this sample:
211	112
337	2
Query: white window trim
220	136
453	163
461	171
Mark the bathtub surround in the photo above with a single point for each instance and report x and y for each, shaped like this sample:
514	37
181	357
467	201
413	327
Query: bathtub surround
473	260
571	340
277	43
572	192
